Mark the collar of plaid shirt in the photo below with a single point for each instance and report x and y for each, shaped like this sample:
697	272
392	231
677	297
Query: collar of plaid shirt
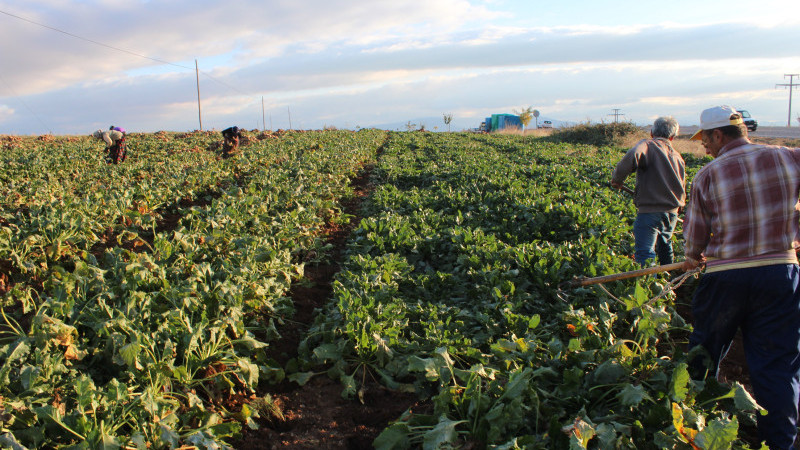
732	145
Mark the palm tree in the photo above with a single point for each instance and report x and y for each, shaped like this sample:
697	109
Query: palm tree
448	117
525	116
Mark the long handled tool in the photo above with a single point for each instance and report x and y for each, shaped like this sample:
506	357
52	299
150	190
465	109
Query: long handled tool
626	189
622	187
621	276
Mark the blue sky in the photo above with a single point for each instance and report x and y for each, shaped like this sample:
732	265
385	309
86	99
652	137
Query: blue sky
387	62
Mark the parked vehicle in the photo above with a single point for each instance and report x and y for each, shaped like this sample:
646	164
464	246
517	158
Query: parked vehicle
546	124
749	121
499	122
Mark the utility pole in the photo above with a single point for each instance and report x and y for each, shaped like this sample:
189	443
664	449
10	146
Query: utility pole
616	114
791	85
263	120
197	74
290	117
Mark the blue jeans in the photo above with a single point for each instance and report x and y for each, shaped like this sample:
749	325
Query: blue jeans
765	303
652	233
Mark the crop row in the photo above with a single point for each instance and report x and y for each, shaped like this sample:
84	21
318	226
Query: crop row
139	299
451	289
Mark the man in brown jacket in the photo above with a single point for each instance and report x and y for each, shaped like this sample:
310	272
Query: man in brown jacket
660	190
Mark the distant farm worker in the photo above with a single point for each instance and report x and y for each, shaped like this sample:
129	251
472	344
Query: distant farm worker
230	142
742	222
120	129
116	152
660	190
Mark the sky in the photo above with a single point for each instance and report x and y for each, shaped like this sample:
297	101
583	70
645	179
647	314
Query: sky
74	66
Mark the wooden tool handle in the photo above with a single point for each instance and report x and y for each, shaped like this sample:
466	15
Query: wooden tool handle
623	275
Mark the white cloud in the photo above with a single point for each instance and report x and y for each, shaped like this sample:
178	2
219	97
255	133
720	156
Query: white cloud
6	113
369	62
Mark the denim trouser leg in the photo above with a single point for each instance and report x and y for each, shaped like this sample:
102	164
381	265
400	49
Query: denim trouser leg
652	234
765	303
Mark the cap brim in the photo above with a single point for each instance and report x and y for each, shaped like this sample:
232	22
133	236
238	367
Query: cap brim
697	136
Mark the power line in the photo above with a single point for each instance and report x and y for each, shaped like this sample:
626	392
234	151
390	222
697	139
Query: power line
93	41
791	85
23	103
161	61
223	83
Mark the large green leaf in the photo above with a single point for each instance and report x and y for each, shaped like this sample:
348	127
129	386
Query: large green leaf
608	372
744	401
719	434
301	378
443	432
250	372
129	355
428	366
679	383
327	352
518	382
632	395
395	437
15	353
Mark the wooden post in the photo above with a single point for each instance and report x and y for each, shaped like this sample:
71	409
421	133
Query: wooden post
197	74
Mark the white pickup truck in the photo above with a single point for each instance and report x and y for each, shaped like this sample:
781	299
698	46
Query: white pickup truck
749	121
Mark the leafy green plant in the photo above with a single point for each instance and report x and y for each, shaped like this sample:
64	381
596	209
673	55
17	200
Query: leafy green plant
136	290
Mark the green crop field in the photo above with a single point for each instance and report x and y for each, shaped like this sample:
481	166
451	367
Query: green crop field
140	301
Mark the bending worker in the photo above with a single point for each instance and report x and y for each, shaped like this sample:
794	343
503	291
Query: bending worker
230	143
660	190
116	152
742	222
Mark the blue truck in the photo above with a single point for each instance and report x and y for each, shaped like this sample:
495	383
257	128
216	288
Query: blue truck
499	122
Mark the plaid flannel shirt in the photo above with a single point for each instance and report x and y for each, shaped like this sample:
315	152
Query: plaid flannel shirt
744	206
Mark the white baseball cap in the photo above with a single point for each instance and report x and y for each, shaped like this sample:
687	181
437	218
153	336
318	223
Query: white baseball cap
716	117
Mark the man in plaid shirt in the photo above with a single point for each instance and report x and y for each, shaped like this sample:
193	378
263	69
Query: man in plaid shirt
742	222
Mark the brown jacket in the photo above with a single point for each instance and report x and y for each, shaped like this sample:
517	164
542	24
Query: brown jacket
660	175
